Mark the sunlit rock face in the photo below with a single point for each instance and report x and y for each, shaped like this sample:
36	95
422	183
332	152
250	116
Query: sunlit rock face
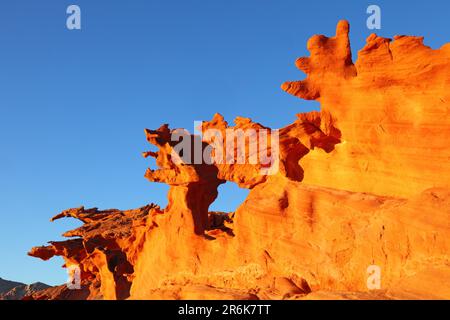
364	182
392	108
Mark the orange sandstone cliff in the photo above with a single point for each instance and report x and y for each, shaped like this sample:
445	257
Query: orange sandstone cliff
363	182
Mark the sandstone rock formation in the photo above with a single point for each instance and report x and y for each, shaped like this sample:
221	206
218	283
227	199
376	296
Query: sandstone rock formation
365	181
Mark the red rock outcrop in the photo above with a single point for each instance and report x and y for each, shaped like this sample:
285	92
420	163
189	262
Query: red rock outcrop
392	107
365	181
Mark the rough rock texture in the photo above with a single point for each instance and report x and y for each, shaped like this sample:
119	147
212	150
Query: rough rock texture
365	181
11	290
392	107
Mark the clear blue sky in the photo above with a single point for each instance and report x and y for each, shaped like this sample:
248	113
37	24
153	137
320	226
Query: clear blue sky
73	104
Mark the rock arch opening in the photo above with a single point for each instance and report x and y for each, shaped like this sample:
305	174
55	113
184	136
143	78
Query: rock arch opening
222	211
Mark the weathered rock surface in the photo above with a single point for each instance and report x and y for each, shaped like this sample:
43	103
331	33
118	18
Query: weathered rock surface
392	107
365	181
